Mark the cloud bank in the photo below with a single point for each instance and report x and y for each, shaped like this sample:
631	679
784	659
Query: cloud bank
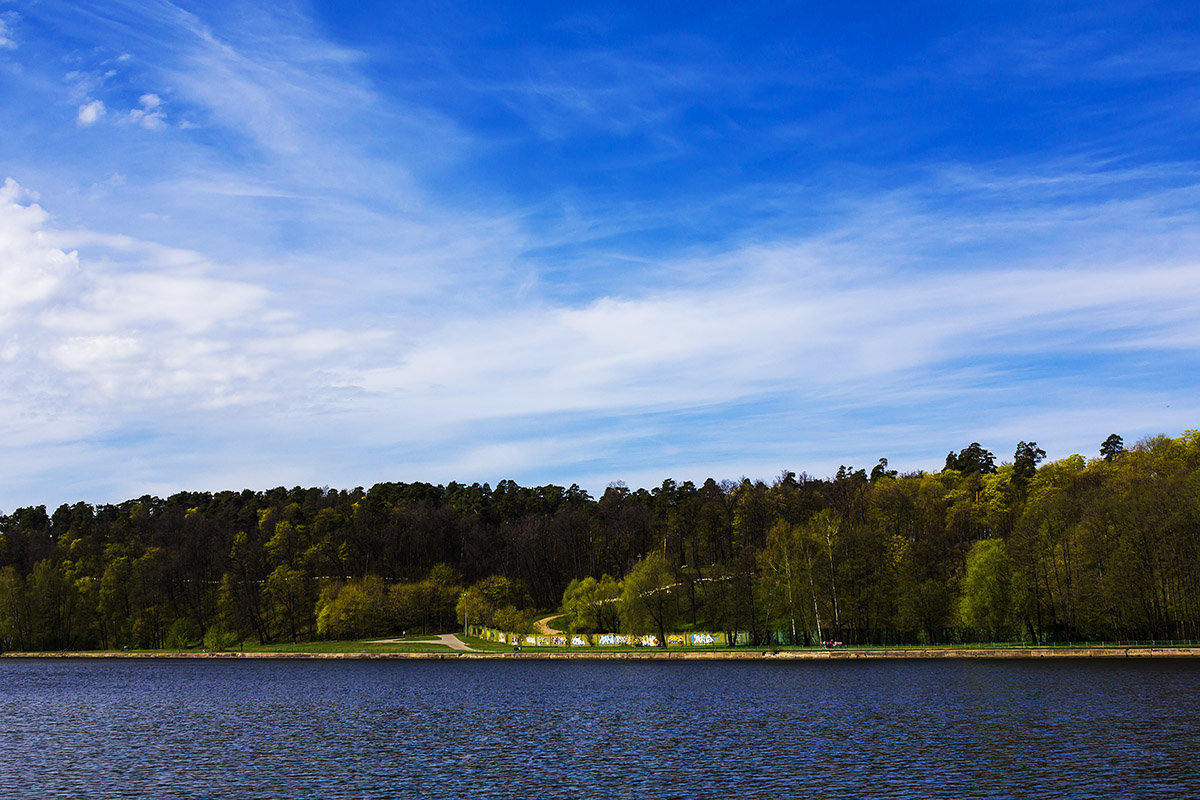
136	335
271	247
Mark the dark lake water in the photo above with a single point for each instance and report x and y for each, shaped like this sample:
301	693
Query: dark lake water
284	729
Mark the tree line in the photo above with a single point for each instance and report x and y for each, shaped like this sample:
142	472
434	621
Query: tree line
1106	548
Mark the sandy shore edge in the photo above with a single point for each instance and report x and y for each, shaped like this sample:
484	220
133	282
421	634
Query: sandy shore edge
674	655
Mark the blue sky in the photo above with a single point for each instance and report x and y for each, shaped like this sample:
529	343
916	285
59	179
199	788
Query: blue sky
245	245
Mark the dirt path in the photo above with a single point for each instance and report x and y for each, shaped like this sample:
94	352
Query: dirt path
448	639
543	625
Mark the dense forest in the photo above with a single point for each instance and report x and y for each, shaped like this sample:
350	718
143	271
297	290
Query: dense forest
1106	548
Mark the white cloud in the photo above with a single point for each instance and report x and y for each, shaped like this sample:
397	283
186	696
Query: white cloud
90	113
275	89
102	332
805	334
150	114
82	85
6	41
135	325
31	270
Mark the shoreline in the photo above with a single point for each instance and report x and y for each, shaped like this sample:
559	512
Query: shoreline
893	654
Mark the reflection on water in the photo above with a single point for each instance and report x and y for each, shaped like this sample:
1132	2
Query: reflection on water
269	729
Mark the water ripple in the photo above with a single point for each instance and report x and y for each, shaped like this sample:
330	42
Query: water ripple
356	729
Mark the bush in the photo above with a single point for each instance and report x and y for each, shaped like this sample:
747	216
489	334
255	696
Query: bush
352	611
183	633
218	638
512	619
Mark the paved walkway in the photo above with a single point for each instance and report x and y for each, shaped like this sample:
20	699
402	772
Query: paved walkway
452	641
448	639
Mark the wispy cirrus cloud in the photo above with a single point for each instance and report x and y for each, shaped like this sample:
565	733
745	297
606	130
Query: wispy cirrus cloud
6	40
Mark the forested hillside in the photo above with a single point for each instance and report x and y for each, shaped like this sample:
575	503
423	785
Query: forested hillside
1101	548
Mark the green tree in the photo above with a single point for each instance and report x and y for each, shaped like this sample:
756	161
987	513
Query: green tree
353	610
647	603
1113	446
16	616
183	634
289	600
1025	462
51	599
286	543
428	604
474	608
513	619
972	458
825	529
881	471
591	605
241	587
785	577
478	605
928	607
503	591
987	602
116	601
